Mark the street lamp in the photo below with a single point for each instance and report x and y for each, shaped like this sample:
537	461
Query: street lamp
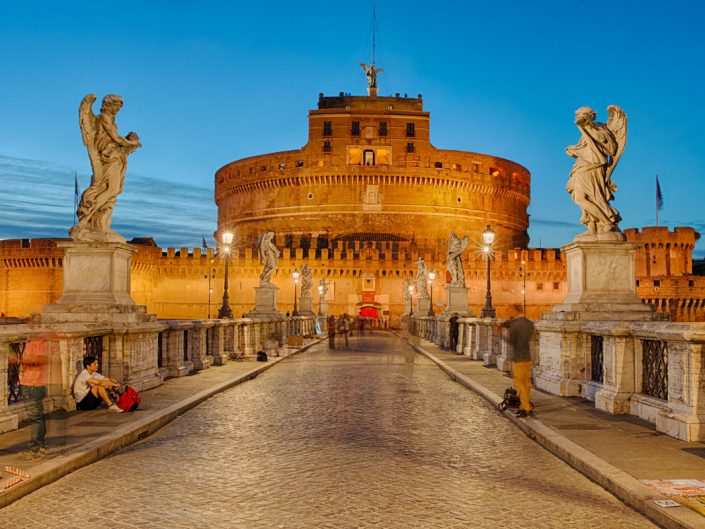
296	282
225	311
431	277
488	240
523	286
411	300
320	299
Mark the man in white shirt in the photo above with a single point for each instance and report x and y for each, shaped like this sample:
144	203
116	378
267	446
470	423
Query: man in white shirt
90	387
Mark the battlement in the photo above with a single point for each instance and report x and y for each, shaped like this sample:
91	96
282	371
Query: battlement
350	102
663	235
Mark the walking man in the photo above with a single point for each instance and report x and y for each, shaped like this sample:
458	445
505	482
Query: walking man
331	332
34	377
521	332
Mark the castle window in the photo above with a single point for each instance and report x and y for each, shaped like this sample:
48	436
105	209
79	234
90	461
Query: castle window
556	285
475	167
263	168
282	166
368	157
327	128
691	283
299	163
637	282
355	131
326	146
383	128
494	171
438	165
310	196
457	167
539	286
410	147
410	130
657	282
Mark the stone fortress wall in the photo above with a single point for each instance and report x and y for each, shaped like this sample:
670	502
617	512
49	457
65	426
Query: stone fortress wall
174	283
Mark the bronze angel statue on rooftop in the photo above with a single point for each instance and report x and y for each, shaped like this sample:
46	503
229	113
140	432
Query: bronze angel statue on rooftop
596	155
108	152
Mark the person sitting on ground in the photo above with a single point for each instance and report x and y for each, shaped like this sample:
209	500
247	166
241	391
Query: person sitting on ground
90	387
521	333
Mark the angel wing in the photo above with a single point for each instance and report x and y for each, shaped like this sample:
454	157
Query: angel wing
259	245
89	124
364	66
617	125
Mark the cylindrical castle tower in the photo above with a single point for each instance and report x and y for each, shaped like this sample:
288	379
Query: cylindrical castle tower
369	169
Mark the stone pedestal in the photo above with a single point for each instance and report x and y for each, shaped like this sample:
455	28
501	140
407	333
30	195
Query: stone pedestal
323	308
408	307
457	300
265	303
305	307
423	306
96	273
601	287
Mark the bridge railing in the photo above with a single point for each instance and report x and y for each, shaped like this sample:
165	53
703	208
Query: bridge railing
142	355
653	370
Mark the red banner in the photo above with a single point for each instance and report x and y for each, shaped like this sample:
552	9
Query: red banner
368	297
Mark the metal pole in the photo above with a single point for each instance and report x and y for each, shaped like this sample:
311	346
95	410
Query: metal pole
225	310
430	306
488	311
296	312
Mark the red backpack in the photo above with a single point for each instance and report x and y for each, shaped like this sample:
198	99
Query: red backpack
129	400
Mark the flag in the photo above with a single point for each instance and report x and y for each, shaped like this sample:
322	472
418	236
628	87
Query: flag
205	244
76	190
659	196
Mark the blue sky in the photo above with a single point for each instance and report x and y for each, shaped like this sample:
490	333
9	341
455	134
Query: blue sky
206	83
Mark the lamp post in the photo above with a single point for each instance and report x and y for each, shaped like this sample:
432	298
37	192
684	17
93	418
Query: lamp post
411	300
320	299
523	287
295	312
431	277
488	240
225	311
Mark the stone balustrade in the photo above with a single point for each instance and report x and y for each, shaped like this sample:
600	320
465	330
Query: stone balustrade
651	369
142	355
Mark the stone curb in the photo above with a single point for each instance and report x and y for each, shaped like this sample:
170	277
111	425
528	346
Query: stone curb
615	481
57	467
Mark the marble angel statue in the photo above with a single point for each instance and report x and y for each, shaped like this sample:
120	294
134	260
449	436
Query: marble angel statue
108	152
268	256
596	155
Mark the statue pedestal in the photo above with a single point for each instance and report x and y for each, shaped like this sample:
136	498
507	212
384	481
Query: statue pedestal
96	286
457	301
323	308
407	306
96	273
601	288
305	307
265	303
424	306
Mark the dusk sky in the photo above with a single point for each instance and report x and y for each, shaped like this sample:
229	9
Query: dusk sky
206	83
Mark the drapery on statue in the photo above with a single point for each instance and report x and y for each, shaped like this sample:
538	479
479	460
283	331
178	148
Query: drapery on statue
324	290
421	278
268	255
371	73
306	281
406	294
596	155
454	262
108	152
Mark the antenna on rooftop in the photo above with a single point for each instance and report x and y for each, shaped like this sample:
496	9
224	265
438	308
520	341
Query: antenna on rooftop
371	71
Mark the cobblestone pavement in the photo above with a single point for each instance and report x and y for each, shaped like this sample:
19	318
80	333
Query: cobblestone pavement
372	437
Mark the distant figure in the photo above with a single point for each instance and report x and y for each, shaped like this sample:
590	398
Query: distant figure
454	333
90	387
344	328
34	377
521	332
331	332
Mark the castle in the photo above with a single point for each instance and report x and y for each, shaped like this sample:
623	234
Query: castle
360	203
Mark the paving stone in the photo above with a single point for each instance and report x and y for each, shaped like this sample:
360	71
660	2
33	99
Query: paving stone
372	437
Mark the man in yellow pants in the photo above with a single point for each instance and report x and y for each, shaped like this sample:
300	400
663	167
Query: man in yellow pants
521	332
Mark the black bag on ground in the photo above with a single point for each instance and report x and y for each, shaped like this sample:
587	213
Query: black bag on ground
261	356
511	399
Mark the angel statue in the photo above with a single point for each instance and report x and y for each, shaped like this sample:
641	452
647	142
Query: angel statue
371	73
596	155
454	262
108	152
407	289
268	255
306	281
421	278
323	288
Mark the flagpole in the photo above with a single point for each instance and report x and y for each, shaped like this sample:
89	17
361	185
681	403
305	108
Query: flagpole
657	201
75	198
